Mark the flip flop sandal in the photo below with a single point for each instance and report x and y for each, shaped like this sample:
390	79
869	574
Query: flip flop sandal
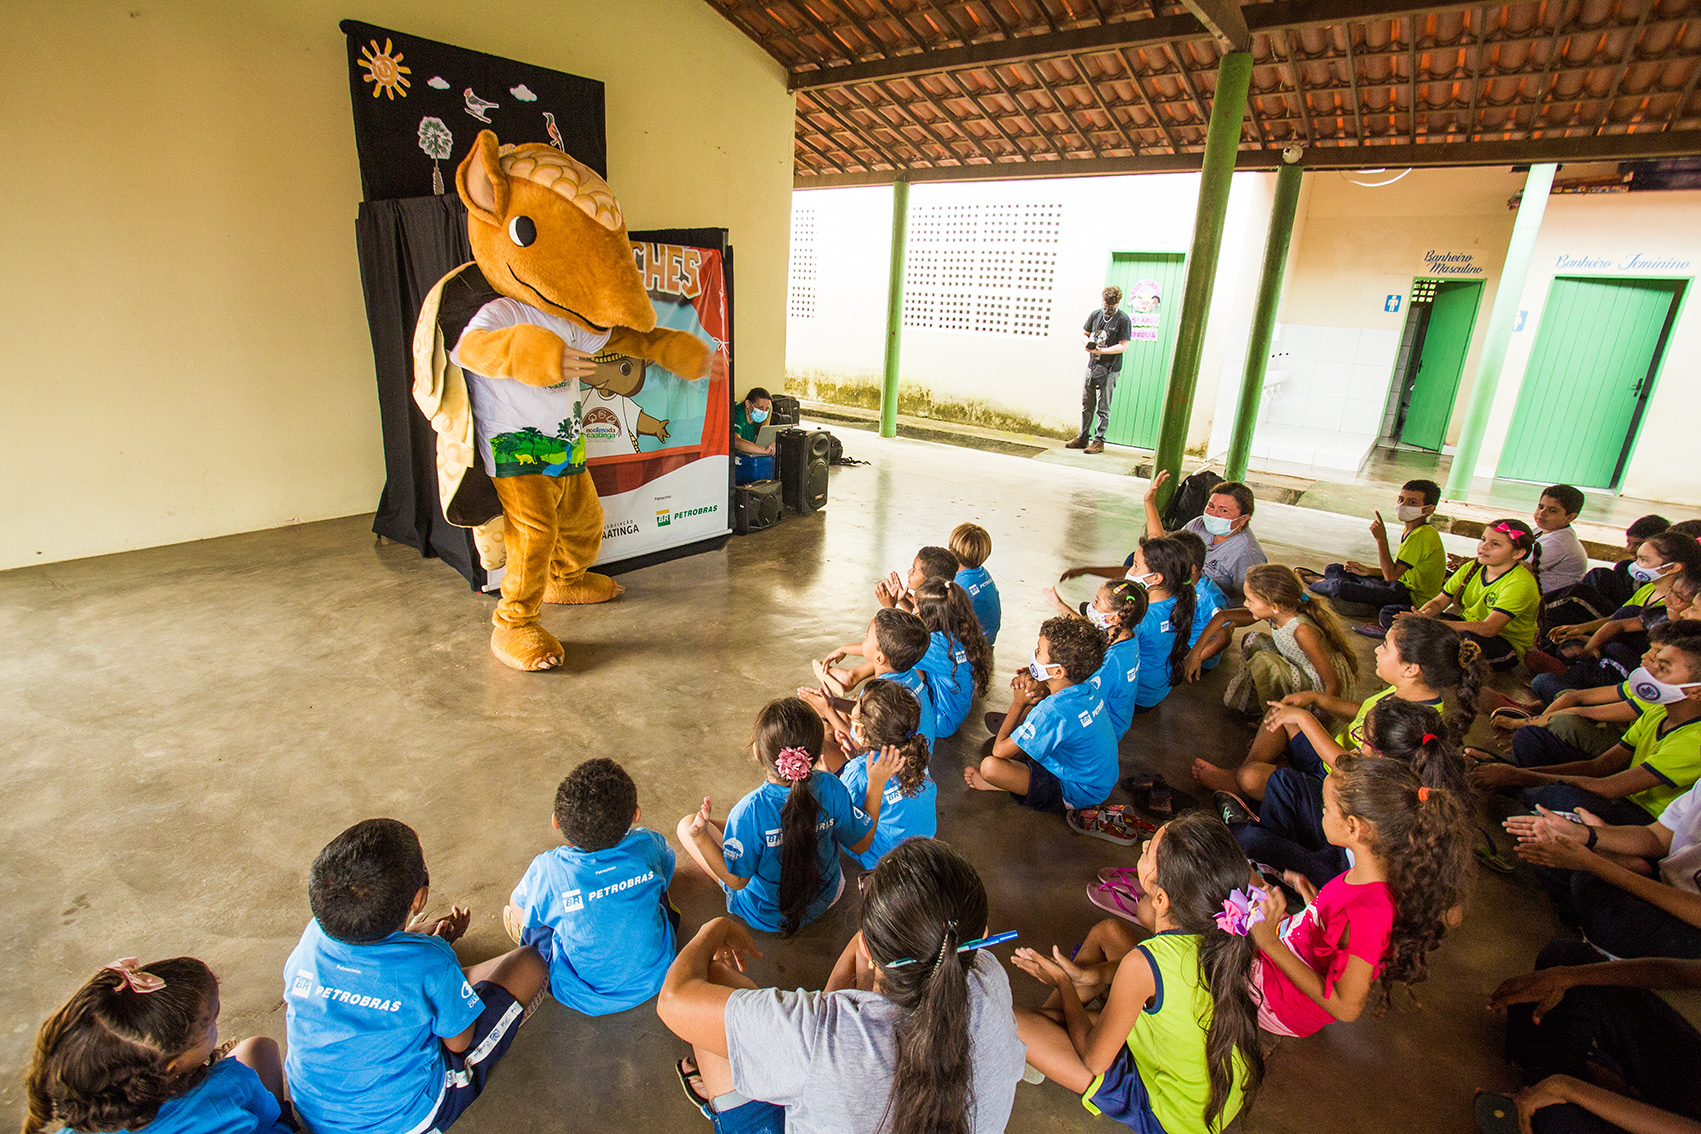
1496	1113
994	722
1371	630
1160	801
686	1078
832	684
1495	859
1115	901
1506	718
1031	1074
1232	809
1124	876
1494	699
1140	781
1480	756
1112	824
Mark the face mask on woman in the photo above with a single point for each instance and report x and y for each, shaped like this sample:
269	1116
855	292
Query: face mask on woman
1406	513
758	415
1650	688
1218	525
1646	574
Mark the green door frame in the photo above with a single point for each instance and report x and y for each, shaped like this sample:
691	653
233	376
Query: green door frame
1464	354
1166	330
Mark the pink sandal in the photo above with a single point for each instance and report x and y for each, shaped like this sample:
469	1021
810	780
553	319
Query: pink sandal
1114	900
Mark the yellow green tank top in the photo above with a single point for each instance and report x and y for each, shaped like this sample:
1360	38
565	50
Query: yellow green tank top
1168	1040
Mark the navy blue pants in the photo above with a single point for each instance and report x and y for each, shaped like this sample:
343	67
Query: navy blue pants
1617	920
1534	746
1564	797
1629	1032
1366	590
1289	831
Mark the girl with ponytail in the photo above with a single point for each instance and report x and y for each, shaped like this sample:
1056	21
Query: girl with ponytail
1117	611
958	662
1289	832
888	775
1423	660
1163	567
135	1049
1375	924
1176	1047
914	1033
785	885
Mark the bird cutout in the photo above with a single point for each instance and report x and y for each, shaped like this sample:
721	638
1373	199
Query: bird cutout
438	144
477	106
554	132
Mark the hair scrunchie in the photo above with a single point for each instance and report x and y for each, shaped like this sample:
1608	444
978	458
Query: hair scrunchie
1469	652
1427	737
794	764
1423	795
131	976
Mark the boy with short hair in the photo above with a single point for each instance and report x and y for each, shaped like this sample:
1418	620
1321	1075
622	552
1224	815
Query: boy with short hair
386	1032
1401	580
1658	759
972	545
1055	749
896	641
1563	561
597	908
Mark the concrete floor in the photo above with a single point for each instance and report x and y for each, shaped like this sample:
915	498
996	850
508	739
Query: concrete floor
190	724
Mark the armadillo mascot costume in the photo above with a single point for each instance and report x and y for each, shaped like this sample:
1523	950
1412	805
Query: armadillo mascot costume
499	349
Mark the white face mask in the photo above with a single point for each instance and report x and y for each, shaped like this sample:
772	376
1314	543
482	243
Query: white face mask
1140	580
1218	525
1647	574
1650	688
1099	618
1036	670
1406	513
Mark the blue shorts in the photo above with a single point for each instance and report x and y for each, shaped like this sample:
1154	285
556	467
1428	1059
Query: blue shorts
753	1117
1045	790
1121	1094
493	1031
1302	756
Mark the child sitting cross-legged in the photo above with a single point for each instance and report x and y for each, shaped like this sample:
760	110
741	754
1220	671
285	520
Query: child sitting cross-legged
778	858
1410	850
1497	594
597	908
929	563
958	662
1601	651
137	1048
1176	1047
1400	579
893	648
886	769
386	1031
1307	649
972	545
1055	749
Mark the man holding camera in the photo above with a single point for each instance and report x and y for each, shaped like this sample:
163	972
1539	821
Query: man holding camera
1105	335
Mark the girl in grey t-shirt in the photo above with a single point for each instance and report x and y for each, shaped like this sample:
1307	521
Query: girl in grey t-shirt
926	1045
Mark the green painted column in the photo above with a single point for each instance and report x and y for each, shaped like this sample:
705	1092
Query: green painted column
1264	315
1222	141
895	308
1508	293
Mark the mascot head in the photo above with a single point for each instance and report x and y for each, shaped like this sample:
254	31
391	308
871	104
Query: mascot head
547	231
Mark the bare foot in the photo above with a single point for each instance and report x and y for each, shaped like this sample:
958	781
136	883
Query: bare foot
1212	777
972	777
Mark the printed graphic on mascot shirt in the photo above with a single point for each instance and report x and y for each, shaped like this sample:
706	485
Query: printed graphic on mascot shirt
530	450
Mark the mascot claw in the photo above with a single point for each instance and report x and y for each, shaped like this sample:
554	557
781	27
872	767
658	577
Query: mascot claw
528	648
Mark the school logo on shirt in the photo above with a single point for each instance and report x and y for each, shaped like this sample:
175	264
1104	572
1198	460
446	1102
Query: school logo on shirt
571	901
303	984
771	838
467	992
731	849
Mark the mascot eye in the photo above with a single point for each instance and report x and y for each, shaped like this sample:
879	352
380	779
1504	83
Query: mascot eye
522	231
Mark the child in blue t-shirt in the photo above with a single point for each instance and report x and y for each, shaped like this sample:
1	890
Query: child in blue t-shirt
1055	750
386	1032
972	545
886	769
597	908
893	648
1208	598
1118	610
797	806
958	662
131	1049
1162	566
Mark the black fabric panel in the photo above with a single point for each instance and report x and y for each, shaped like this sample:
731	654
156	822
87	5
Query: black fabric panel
473	92
405	247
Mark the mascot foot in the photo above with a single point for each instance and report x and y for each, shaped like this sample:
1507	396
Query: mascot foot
526	647
586	589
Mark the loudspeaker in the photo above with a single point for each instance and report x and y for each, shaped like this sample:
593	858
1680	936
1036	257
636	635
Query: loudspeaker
786	410
756	506
803	468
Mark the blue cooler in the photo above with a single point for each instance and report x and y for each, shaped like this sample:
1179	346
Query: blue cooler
748	467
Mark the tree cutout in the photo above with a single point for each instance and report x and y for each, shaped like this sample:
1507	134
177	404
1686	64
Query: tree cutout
438	144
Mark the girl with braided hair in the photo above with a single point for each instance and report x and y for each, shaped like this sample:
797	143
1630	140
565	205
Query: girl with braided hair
1410	846
136	1049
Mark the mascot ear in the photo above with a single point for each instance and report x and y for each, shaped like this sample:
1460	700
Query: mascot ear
480	180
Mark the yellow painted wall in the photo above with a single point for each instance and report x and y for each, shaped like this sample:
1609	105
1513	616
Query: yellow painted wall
185	351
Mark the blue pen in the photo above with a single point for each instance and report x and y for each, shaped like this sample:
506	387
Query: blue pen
967	946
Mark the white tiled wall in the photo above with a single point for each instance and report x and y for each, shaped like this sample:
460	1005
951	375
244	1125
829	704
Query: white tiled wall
1326	413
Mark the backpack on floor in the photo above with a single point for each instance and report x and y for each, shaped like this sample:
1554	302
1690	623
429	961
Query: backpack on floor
1190	498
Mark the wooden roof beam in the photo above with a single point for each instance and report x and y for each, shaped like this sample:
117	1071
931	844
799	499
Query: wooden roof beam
1225	21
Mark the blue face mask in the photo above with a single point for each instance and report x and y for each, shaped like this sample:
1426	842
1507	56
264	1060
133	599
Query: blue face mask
758	415
1217	525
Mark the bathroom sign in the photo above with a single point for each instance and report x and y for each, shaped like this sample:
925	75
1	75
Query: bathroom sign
1392	303
1438	263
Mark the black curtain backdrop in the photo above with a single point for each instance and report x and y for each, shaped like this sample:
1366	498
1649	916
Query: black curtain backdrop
406	246
414	125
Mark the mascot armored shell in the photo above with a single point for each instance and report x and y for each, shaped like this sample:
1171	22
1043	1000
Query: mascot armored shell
499	350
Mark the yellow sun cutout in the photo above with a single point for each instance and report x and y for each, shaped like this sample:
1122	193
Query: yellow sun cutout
384	70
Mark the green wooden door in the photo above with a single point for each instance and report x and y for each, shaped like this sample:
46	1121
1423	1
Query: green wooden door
1452	314
1151	285
1591	369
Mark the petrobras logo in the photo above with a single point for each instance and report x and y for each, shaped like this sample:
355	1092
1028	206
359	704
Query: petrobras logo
354	999
627	884
664	517
771	838
302	985
731	849
572	901
1086	719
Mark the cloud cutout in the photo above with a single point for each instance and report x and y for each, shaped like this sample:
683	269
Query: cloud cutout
437	82
523	93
